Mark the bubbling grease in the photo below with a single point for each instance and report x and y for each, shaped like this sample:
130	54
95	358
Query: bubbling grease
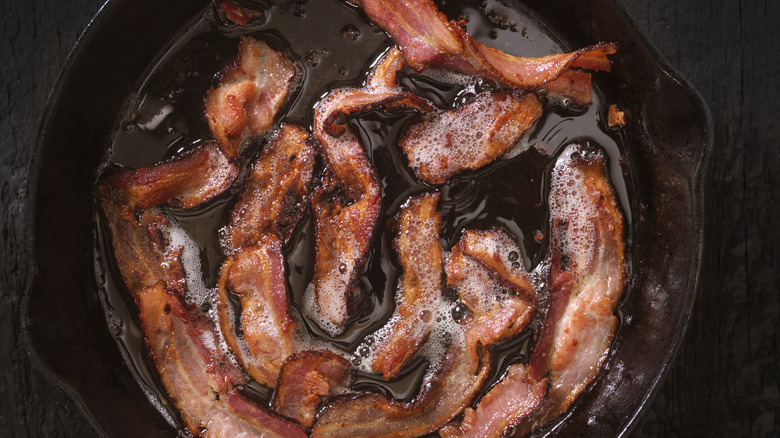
572	201
451	139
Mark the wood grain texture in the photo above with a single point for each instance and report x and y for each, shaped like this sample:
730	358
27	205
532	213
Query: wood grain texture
35	39
725	379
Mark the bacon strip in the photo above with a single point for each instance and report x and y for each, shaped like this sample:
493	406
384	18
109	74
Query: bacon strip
250	93
197	374
256	276
588	275
141	246
479	269
479	259
499	253
463	371
420	255
347	205
469	137
238	14
508	403
428	39
187	182
275	195
306	380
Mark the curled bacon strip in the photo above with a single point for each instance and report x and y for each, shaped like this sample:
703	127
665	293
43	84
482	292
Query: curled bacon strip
256	276
238	14
428	39
198	375
140	241
307	378
463	371
141	246
508	403
469	137
419	251
588	274
275	195
188	181
481	257
347	205
479	267
250	93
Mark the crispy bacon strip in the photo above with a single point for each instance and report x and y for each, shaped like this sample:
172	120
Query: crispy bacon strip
251	91
347	205
197	374
469	137
420	255
255	275
479	268
499	253
141	246
188	181
509	402
306	380
588	275
275	195
428	39
483	258
463	371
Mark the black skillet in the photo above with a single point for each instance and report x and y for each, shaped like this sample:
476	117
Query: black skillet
64	326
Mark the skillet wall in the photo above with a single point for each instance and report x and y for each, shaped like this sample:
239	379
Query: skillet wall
66	326
65	322
668	136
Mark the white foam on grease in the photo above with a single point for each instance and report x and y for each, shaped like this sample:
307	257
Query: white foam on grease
522	145
453	140
569	200
196	291
332	293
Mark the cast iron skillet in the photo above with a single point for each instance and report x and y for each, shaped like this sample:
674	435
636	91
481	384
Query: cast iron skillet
668	139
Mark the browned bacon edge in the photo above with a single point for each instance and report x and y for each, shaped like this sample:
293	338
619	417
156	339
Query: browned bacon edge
238	14
469	137
588	274
276	193
462	373
499	265
347	204
428	39
251	91
508	403
307	379
419	252
256	276
141	247
186	182
197	374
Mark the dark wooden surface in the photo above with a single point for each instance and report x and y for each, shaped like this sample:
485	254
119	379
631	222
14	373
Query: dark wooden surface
725	381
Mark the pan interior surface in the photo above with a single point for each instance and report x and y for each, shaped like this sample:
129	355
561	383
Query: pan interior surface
85	340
